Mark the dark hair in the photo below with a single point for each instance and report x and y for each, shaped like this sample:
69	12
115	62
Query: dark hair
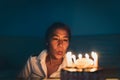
55	26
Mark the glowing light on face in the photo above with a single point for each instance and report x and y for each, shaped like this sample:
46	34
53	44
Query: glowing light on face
59	43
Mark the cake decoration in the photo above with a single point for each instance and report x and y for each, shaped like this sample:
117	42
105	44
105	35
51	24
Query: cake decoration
82	62
81	67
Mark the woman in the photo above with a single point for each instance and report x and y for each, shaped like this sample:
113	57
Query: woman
51	60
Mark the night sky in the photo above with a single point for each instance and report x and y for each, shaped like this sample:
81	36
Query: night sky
86	17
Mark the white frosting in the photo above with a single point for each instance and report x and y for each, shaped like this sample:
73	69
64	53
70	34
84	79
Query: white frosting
84	63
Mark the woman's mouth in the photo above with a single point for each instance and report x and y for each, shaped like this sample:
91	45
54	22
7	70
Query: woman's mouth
60	52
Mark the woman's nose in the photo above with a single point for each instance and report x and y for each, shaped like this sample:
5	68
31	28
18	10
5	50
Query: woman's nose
60	42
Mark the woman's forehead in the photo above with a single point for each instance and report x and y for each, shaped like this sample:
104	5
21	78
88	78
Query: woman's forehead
60	32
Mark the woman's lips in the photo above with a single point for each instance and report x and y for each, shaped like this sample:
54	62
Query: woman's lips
59	52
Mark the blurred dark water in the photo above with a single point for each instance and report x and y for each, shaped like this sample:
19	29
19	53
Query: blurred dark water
15	50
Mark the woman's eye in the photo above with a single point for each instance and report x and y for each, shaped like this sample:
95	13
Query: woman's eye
65	40
55	38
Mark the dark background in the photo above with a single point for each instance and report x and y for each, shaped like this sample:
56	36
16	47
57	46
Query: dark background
95	25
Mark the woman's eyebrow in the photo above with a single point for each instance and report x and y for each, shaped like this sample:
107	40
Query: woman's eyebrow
54	35
66	36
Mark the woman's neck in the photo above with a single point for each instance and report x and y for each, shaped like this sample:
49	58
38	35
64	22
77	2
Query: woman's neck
52	60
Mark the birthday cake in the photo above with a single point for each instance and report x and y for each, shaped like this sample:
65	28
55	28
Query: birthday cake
83	68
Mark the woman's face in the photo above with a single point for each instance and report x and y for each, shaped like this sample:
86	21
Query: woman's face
58	43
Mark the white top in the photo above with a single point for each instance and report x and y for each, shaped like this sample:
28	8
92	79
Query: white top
36	67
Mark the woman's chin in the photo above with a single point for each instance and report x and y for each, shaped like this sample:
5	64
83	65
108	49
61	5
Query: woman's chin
59	57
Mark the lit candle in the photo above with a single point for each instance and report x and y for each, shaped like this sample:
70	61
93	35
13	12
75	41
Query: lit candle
69	59
74	58
95	57
86	56
80	56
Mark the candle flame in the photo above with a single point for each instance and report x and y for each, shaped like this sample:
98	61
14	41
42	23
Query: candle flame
86	56
69	53
95	58
80	56
69	59
94	55
74	58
